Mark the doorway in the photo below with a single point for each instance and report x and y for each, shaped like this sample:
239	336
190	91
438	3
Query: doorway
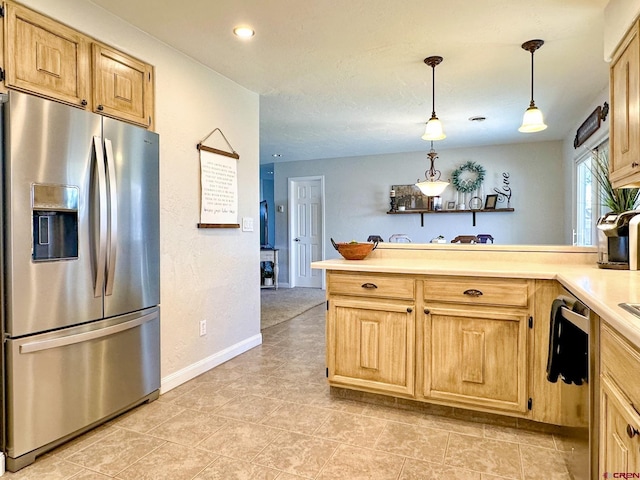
306	230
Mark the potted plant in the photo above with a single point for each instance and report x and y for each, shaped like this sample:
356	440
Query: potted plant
618	200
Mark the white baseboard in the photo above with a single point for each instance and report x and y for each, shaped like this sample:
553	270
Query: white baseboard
192	371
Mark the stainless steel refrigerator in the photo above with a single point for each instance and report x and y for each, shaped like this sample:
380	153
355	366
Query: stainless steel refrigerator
80	272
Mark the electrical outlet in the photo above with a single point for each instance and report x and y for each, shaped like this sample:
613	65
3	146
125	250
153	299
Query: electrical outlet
203	328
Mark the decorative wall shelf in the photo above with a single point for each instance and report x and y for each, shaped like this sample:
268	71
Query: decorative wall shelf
472	212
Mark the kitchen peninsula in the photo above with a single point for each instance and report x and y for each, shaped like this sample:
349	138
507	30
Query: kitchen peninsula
468	326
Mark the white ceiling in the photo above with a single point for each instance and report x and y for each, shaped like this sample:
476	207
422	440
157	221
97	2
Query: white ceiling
341	78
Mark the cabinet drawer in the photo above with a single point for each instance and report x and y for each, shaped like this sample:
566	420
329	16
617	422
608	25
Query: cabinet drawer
620	362
506	292
369	285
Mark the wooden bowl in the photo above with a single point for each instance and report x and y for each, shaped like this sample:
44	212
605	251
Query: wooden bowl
354	251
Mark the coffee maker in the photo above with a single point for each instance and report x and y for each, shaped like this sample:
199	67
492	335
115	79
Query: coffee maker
619	240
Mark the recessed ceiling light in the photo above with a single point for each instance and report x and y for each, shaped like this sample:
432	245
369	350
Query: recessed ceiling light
477	118
244	32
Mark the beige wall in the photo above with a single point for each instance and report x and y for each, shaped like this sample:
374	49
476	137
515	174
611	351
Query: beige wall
618	16
357	196
205	274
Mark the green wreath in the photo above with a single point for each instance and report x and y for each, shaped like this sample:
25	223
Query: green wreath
468	185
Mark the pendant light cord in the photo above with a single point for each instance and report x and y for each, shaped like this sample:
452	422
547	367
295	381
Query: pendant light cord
532	104
433	91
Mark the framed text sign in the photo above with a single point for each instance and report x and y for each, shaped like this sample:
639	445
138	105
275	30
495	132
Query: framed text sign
218	187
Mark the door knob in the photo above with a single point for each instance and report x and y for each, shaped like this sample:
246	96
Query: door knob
296	239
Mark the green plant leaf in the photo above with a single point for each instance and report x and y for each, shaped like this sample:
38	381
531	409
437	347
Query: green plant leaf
618	200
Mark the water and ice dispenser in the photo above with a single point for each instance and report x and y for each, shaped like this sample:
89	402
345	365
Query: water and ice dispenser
55	222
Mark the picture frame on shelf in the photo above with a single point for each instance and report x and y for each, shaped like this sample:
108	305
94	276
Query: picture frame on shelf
451	205
490	202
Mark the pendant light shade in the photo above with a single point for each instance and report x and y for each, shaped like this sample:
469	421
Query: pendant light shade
434	130
533	120
432	189
432	186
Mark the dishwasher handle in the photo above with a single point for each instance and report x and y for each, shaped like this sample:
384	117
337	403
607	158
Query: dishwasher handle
580	321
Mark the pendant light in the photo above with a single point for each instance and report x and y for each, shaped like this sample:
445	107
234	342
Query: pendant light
432	186
532	120
434	125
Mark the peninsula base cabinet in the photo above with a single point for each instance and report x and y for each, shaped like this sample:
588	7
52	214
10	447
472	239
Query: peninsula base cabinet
476	357
619	425
475	342
372	345
465	342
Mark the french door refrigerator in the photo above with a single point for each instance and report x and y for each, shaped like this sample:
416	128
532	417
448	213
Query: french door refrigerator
80	272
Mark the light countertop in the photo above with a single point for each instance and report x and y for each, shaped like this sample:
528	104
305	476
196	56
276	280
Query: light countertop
600	289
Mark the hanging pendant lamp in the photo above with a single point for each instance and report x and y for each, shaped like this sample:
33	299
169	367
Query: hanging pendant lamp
432	186
532	120
434	125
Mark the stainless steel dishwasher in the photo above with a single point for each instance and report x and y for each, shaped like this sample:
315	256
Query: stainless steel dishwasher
571	318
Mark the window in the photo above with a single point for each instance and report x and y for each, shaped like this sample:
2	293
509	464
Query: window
587	200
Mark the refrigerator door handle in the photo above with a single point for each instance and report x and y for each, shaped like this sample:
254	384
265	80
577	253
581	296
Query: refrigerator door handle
113	217
102	235
38	346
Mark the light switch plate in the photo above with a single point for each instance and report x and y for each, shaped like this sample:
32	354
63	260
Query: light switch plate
247	224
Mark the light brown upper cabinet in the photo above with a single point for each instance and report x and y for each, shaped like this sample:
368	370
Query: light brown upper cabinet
54	61
624	158
45	57
122	86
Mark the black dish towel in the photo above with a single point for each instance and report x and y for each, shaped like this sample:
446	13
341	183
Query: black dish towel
568	349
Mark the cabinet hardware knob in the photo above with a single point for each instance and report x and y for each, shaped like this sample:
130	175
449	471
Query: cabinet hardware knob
369	285
83	102
635	164
472	292
409	310
427	311
632	431
100	107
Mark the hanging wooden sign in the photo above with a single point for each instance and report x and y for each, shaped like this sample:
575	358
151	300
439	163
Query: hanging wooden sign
591	124
218	186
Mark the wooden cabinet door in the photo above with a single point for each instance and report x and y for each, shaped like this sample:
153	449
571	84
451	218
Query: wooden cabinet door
122	86
619	432
624	161
45	57
476	356
370	345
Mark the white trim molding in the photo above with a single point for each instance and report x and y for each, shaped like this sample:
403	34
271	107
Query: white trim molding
192	371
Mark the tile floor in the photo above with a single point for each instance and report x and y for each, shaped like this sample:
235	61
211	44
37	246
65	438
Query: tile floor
269	414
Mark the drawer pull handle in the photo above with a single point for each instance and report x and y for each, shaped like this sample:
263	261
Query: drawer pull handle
472	292
409	310
632	431
427	311
369	285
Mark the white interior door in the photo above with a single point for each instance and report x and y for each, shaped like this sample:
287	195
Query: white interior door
306	198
